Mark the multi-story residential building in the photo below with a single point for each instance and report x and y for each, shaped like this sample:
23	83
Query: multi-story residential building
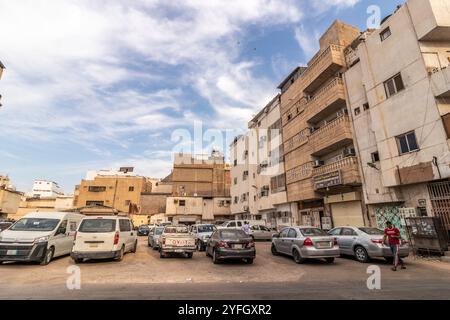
45	189
398	88
9	198
322	176
120	190
201	189
258	189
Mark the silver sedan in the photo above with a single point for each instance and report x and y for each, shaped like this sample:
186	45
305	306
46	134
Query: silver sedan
364	243
305	243
258	232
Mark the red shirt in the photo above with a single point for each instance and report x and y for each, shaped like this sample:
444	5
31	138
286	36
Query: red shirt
391	233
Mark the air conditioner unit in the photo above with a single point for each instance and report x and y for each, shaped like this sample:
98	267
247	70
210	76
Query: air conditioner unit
349	152
318	163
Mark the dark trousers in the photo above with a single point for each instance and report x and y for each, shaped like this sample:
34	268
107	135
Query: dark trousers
395	248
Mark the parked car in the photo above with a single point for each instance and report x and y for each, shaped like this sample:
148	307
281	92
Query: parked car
305	243
201	233
258	232
39	237
5	225
365	243
153	237
237	224
176	239
143	230
104	237
230	244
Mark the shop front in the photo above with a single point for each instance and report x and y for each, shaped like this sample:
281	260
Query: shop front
346	209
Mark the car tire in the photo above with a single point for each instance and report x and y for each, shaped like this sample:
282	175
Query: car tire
249	261
162	254
329	260
297	257
48	256
77	260
155	248
361	254
274	251
189	255
121	254
134	247
215	258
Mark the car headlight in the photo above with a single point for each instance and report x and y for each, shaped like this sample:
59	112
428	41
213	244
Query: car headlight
41	239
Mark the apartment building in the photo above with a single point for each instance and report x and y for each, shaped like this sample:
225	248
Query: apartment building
120	190
201	189
322	176
258	188
45	188
398	87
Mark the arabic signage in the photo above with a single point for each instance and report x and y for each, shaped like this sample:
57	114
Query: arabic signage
327	180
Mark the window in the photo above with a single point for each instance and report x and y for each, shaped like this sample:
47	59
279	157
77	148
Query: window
394	85
366	106
348	232
130	189
284	233
245	175
375	157
94	203
446	122
235	180
96	189
292	233
232	224
386	33
236	199
278	183
289	117
335	232
407	142
182	203
357	111
235	163
124	225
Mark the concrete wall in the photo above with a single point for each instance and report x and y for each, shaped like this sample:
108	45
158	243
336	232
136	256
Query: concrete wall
9	203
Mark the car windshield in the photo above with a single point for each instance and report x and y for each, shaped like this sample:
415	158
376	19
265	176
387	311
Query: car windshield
4	226
159	231
206	228
309	232
97	225
144	227
372	231
35	224
232	234
176	230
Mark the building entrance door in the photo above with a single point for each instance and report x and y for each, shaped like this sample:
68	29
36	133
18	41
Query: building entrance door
440	201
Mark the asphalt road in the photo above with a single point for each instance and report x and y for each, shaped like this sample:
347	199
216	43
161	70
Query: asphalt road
145	276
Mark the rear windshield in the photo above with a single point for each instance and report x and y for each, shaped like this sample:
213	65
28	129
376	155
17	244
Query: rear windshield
207	228
144	227
159	231
309	232
232	234
97	225
35	224
176	230
372	231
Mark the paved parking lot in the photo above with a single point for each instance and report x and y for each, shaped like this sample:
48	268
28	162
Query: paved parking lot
144	275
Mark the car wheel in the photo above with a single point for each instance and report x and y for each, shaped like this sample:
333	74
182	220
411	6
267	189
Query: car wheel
155	248
121	254
361	254
78	260
189	255
329	260
48	256
274	250
297	257
249	261
215	257
162	254
134	247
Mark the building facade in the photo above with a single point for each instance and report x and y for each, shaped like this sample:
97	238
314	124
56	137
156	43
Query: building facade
9	199
398	87
200	189
322	177
43	204
258	188
45	189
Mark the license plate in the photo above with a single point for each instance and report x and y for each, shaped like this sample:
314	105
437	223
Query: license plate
323	245
93	246
238	246
11	253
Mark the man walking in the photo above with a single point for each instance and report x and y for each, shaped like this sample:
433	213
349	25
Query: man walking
393	235
246	228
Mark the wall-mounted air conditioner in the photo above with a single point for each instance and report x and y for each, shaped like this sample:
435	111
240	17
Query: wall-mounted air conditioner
318	163
349	152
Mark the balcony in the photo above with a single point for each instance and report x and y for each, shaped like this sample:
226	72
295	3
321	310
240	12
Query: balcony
431	19
296	141
440	83
323	67
338	175
327	100
333	136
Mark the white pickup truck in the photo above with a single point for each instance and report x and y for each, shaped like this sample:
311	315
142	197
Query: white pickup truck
176	239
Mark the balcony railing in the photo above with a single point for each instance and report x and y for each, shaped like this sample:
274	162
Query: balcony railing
301	172
330	95
345	163
323	66
334	135
297	140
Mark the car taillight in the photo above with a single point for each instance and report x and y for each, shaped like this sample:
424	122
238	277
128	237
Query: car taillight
222	244
251	244
163	240
308	242
377	241
116	238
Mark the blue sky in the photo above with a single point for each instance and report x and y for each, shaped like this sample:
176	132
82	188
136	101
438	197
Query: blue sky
100	84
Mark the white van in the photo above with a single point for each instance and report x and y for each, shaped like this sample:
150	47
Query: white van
104	237
238	224
39	236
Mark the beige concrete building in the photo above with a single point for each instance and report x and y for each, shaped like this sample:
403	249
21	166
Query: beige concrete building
398	88
258	188
201	189
44	204
322	176
9	198
120	190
